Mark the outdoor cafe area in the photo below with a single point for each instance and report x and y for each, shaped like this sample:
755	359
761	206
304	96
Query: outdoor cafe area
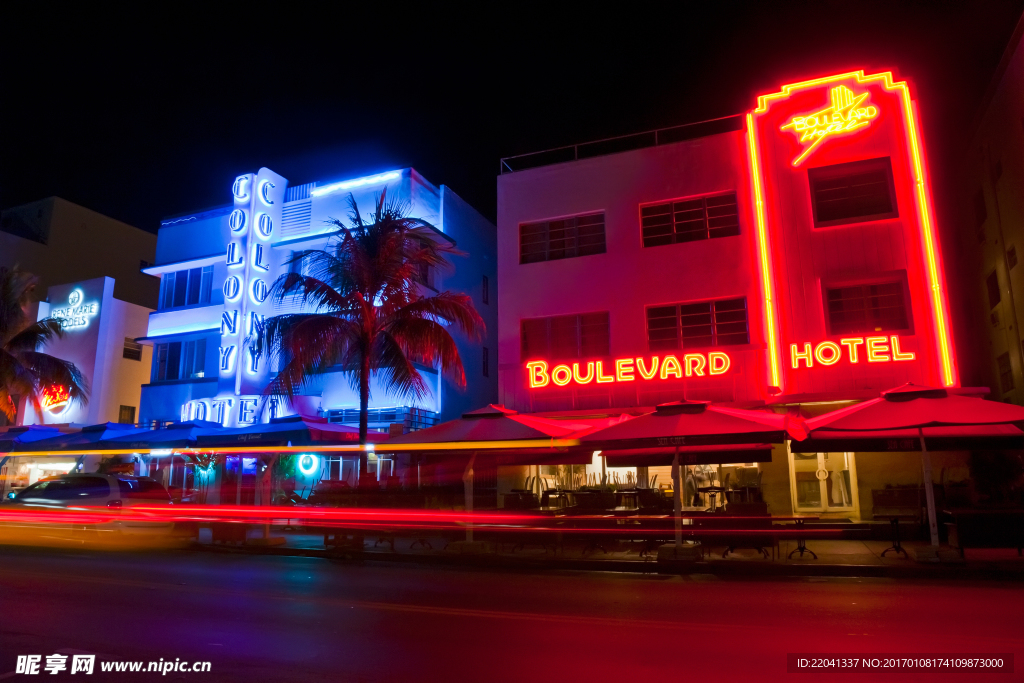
689	474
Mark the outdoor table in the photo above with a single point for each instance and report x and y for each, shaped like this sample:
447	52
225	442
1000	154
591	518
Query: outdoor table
894	520
712	492
801	546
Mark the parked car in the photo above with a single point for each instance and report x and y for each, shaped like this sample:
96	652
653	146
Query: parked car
70	492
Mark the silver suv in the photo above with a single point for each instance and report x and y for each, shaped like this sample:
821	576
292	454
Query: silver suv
70	492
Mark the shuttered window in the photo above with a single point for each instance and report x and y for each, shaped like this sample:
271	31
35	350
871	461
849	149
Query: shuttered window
697	325
563	238
867	308
566	336
853	192
687	220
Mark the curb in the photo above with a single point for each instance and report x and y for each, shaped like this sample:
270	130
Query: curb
954	572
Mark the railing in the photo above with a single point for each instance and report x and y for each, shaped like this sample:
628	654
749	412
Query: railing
622	143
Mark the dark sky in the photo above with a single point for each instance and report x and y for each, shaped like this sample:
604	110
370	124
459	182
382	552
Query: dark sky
142	114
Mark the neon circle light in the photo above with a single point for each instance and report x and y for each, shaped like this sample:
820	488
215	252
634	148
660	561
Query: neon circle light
308	463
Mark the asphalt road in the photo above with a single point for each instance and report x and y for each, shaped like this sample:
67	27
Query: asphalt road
302	619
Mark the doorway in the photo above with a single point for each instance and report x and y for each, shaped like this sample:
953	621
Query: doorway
824	482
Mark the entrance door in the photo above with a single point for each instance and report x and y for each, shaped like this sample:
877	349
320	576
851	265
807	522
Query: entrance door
824	482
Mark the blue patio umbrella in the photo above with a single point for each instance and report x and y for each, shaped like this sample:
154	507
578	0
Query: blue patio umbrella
90	436
173	436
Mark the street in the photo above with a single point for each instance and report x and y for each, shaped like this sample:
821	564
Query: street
261	618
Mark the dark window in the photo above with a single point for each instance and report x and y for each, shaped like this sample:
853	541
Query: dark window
853	192
867	308
566	336
563	238
980	211
143	488
180	288
992	283
686	220
194	359
167	291
132	349
126	415
690	326
1011	256
168	361
145	264
485	291
1005	373
486	362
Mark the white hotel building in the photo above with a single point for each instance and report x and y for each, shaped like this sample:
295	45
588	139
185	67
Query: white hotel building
217	266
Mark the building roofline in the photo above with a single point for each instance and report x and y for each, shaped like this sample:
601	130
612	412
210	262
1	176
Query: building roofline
621	143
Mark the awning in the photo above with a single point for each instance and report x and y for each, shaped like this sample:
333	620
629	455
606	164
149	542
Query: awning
959	438
690	423
496	428
299	430
690	455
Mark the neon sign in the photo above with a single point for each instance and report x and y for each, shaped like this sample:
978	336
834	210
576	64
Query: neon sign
76	314
55	399
880	349
844	115
540	374
934	279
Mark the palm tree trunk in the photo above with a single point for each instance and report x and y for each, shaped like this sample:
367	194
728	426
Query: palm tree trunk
364	411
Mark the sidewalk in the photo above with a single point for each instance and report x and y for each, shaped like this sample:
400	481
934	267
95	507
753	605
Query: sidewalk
834	557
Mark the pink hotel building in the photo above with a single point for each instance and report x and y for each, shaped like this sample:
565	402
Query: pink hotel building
784	259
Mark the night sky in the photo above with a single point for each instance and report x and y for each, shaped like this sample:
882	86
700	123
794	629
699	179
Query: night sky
143	114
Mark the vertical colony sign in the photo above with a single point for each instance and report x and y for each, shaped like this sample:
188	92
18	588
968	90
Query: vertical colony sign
251	268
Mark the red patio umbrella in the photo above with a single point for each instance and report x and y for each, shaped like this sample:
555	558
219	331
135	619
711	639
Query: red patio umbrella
691	425
934	416
496	429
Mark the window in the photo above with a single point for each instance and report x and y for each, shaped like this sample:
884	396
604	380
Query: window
853	192
687	220
487	363
1005	373
564	238
186	287
866	308
126	415
180	360
992	283
690	326
566	336
132	349
485	292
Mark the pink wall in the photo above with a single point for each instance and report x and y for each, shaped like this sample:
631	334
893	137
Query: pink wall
628	277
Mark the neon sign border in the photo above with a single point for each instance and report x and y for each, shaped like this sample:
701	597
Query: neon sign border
938	299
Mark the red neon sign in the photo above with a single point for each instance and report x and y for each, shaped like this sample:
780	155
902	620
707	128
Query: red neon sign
816	130
541	374
844	115
880	349
55	398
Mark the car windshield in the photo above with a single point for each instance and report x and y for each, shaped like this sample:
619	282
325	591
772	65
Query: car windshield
143	488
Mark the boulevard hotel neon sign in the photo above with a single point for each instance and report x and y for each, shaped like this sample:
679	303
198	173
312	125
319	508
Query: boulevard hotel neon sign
541	374
855	349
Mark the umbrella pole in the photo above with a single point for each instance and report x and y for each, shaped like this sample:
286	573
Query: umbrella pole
677	501
467	480
929	493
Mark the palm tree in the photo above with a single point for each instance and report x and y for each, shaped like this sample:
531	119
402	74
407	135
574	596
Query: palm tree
370	314
24	371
